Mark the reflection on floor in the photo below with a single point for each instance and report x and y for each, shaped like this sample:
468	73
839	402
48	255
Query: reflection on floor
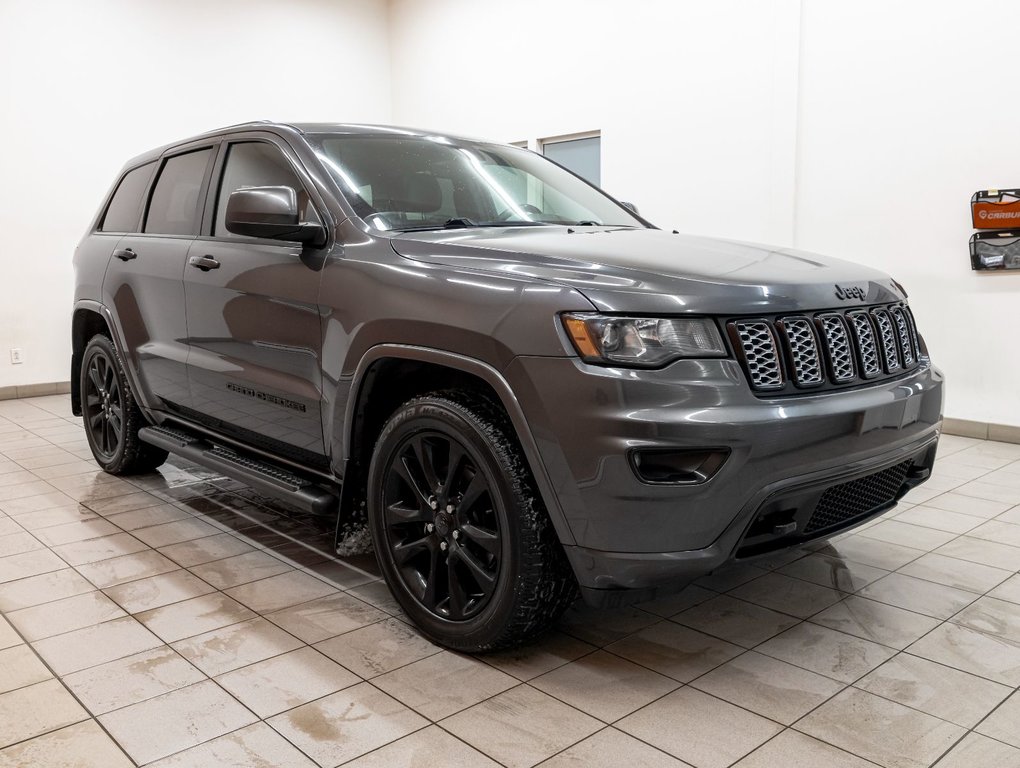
182	620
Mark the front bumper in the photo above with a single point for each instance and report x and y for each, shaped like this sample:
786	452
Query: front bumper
649	538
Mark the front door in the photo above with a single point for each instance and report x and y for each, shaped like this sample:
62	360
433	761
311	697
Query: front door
254	332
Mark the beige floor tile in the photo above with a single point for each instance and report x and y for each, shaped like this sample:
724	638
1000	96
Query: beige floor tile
603	626
186	717
953	572
103	548
281	591
990	492
981	551
378	648
64	615
20	667
195	616
610	748
287	681
676	651
326	617
604	685
905	534
969	505
148	516
79	530
347	724
8	637
119	570
792	749
430	747
940	519
977	751
17	543
378	595
228	648
157	591
444	683
30	504
769	687
109	498
83	745
198	551
337	574
976	652
44	588
24	490
881	730
787	595
240	569
36	709
942	691
521	727
1000	618
132	679
1004	723
552	650
834	572
714	733
868	551
998	530
827	652
174	533
671	605
254	746
83	648
920	596
735	620
8	526
730	576
1008	590
27	564
875	621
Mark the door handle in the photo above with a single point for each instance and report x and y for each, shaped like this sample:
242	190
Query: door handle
204	263
125	254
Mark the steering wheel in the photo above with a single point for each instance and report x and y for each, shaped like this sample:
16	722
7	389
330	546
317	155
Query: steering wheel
507	214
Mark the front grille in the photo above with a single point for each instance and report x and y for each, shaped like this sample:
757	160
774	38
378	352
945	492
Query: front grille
826	348
842	503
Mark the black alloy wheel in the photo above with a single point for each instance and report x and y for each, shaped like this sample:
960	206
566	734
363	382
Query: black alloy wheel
441	524
103	405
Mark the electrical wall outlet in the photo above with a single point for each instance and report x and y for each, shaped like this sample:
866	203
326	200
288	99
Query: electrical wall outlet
17	356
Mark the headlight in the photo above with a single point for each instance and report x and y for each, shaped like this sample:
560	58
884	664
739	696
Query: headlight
642	341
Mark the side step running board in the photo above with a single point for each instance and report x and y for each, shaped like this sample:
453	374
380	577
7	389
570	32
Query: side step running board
269	478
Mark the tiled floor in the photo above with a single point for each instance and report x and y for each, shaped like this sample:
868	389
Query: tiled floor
178	619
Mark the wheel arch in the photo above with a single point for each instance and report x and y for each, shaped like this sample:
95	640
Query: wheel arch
88	320
416	371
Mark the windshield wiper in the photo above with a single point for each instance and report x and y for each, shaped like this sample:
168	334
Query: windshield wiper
465	223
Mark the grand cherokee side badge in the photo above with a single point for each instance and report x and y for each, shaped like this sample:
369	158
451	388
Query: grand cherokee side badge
847	293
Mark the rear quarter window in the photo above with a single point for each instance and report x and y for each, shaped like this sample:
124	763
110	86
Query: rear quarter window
126	205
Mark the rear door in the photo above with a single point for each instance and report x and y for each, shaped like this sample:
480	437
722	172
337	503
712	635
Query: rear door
254	331
144	282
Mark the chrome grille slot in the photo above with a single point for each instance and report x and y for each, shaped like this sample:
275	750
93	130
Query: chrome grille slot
904	336
837	342
864	336
761	354
887	336
803	350
913	332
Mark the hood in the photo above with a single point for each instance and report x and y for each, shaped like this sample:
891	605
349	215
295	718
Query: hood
653	271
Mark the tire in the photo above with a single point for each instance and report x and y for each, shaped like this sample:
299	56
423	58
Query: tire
110	415
480	569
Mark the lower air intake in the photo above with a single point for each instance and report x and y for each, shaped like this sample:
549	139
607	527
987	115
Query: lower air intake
842	503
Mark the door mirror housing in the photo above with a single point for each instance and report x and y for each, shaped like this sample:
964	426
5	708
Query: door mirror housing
270	212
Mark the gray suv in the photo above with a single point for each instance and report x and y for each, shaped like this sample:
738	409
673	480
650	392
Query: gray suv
520	387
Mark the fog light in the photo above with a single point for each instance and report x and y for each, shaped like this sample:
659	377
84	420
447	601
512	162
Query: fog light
686	467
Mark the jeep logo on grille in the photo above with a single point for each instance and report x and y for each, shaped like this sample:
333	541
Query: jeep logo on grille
849	292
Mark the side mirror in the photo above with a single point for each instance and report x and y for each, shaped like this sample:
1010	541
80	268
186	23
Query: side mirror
270	212
630	207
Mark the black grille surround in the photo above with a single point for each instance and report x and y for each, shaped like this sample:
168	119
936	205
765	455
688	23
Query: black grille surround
797	352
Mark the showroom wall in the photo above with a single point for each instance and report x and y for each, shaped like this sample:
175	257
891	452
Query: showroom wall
84	86
858	129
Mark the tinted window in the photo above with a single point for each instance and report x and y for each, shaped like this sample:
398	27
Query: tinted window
256	164
126	205
175	206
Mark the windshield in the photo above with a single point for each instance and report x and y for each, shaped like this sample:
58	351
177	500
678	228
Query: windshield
410	182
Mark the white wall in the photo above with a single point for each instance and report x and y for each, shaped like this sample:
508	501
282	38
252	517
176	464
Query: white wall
84	86
907	109
857	128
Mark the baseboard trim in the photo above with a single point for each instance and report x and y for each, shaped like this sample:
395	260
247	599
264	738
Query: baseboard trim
35	390
982	430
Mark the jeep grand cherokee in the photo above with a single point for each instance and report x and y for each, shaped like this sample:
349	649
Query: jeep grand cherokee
523	388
